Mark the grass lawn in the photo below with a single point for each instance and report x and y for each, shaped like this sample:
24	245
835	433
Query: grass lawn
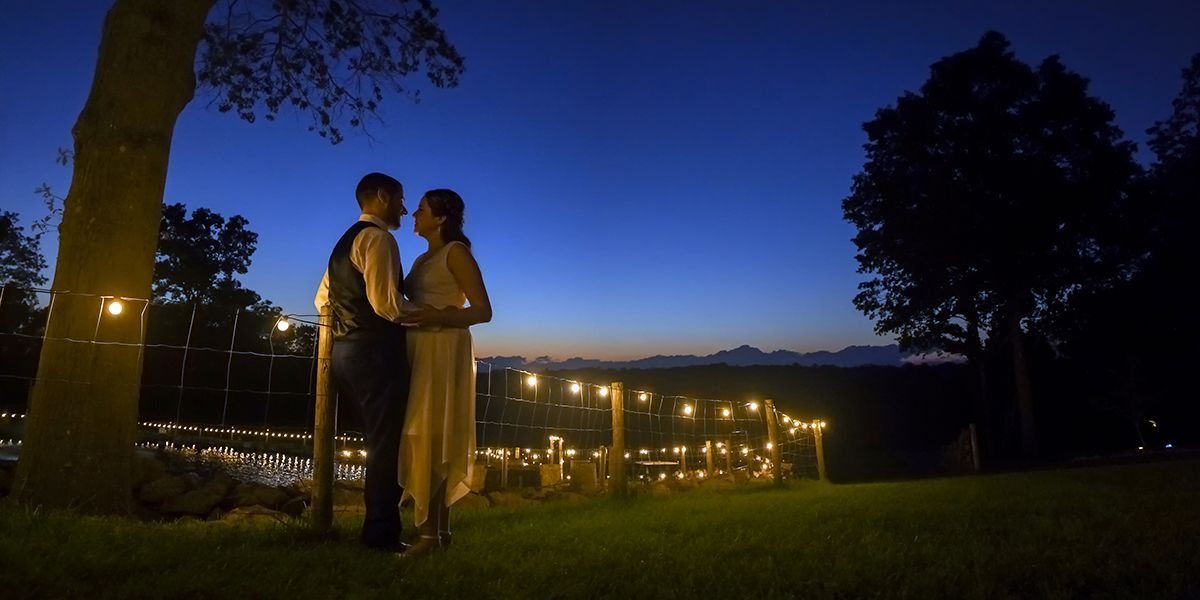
1125	531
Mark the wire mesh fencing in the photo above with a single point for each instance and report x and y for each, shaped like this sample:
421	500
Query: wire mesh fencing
245	380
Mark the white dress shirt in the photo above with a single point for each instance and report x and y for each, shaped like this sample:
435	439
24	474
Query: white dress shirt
377	256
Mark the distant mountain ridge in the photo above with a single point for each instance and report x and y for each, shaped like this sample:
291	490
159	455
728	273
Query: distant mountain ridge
742	356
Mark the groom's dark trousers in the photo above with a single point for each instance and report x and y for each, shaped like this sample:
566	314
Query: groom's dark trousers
370	366
373	374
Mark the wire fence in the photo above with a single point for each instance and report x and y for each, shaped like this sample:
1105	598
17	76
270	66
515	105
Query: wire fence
241	380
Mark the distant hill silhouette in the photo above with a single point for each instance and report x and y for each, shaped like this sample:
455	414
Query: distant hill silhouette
742	356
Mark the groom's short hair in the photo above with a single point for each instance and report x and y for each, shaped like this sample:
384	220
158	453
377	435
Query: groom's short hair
371	183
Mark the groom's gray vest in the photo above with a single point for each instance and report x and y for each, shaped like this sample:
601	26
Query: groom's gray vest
353	317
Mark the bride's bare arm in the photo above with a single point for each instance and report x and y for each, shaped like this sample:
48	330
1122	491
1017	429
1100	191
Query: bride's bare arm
466	273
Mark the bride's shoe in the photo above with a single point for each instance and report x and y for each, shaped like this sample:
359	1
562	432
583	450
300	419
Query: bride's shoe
427	544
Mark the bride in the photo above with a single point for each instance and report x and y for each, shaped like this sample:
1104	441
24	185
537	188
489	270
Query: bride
437	447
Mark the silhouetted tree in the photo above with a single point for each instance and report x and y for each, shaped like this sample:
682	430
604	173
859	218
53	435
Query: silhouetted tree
1138	339
988	199
198	255
21	263
21	266
329	58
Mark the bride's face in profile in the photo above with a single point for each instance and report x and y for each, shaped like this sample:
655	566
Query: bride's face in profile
424	223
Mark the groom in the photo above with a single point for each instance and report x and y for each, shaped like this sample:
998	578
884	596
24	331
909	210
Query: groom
363	287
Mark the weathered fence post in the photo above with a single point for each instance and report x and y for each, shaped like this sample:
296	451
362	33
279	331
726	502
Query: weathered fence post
326	403
975	448
773	438
729	461
708	458
616	463
504	469
820	443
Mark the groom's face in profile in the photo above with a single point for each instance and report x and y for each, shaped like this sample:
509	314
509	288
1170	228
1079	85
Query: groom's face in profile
393	204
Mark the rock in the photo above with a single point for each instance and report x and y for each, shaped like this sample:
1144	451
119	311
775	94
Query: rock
251	494
164	489
570	498
147	469
347	496
196	502
221	483
302	487
294	507
550	474
472	501
255	514
718	483
583	476
506	499
193	480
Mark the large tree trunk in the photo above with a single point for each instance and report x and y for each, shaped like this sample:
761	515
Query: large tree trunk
79	437
1023	386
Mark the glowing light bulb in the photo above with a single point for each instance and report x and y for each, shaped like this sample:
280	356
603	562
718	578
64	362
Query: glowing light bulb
531	380
753	406
770	445
724	412
603	392
575	387
283	324
115	307
786	419
687	409
642	396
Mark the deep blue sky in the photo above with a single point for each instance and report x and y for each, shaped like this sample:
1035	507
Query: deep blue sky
640	177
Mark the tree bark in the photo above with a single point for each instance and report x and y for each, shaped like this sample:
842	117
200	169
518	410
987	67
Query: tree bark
1024	388
79	437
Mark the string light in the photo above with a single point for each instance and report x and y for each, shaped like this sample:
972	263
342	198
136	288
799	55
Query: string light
753	406
575	387
687	409
115	307
603	392
725	412
642	396
283	324
531	380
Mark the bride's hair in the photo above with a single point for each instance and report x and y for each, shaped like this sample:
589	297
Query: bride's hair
447	203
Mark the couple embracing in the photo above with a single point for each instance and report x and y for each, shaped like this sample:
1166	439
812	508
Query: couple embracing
408	365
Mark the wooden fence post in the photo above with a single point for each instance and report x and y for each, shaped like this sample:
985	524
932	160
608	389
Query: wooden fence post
818	426
975	448
326	405
708	458
729	461
773	438
504	469
616	463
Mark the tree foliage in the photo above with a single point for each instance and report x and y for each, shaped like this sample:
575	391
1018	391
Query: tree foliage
330	58
199	256
996	188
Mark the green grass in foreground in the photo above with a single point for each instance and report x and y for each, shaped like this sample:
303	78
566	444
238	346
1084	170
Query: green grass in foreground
1128	531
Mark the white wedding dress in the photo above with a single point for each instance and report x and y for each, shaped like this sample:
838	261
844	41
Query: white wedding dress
438	442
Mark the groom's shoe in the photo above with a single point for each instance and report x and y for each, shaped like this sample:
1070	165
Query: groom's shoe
395	547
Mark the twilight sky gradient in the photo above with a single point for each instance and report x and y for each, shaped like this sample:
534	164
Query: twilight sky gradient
640	178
